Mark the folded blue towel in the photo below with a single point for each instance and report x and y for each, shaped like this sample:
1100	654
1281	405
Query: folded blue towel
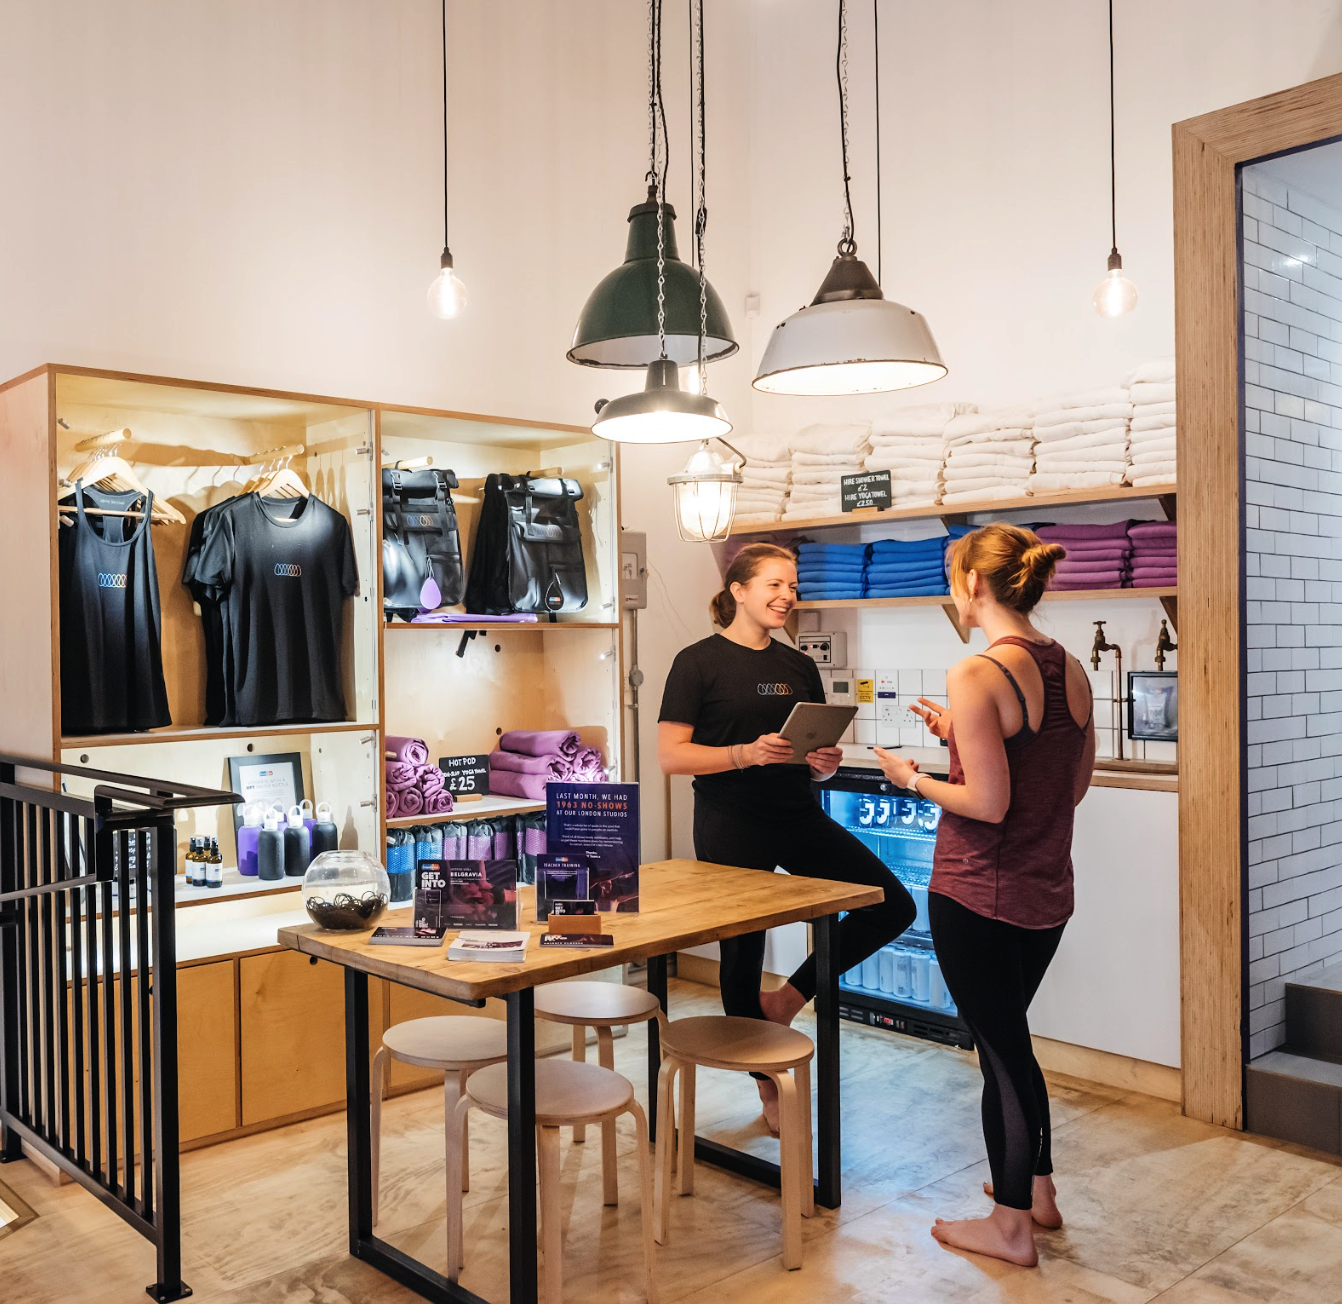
906	591
813	572
908	547
906	565
832	549
831	592
885	581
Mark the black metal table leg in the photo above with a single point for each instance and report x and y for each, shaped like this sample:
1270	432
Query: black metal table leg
656	987
522	1146
828	1186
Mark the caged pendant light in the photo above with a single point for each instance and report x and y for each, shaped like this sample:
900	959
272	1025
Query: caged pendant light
705	491
1115	295
662	412
447	295
648	308
851	339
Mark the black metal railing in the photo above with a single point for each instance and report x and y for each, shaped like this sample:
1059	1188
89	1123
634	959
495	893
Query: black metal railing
88	988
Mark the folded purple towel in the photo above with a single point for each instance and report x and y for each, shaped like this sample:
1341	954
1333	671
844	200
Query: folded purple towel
437	803
468	618
1154	582
1165	572
1154	530
1155	554
544	742
1062	533
551	767
1098	551
412	750
401	774
509	783
1090	572
1091	582
411	801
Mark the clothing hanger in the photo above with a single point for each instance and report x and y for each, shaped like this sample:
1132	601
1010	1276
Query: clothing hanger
107	470
284	481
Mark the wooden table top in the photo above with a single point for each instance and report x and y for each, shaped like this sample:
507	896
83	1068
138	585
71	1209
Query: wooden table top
684	903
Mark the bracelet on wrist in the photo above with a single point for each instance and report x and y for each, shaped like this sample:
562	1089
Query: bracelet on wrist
734	751
912	785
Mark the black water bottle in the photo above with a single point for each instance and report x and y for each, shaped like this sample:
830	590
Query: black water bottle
325	835
270	849
297	845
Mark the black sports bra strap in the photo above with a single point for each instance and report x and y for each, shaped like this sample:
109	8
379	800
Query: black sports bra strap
1020	697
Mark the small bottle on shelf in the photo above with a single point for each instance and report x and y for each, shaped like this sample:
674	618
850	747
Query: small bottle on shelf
214	866
297	845
270	850
196	863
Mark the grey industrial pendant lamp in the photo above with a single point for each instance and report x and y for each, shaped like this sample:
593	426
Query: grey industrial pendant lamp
850	339
662	412
648	308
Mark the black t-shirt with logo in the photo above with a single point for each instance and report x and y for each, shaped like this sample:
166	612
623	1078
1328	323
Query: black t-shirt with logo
733	694
284	568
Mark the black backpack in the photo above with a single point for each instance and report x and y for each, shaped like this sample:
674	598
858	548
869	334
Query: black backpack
420	541
527	553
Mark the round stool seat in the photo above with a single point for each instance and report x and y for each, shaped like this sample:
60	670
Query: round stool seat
447	1041
727	1041
564	1091
594	1003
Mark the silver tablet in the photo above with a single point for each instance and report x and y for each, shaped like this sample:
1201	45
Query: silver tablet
815	724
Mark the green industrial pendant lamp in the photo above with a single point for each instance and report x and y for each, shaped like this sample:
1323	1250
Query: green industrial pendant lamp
618	325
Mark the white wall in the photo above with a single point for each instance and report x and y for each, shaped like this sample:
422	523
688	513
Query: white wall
249	193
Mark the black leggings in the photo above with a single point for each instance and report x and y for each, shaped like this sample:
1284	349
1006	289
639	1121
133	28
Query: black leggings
992	971
811	845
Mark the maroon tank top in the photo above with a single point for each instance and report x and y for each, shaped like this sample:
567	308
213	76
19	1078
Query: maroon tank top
1020	871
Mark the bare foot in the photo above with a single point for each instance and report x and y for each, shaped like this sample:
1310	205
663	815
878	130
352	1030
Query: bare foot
1044	1202
781	1005
1005	1234
769	1101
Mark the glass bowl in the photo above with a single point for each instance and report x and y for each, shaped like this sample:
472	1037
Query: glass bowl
345	891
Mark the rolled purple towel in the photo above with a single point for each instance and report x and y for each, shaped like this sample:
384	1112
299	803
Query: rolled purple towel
413	750
411	801
552	767
540	742
437	803
393	804
429	778
508	783
401	775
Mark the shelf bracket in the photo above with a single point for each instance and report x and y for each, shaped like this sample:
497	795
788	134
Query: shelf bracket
954	518
1168	505
1171	606
951	615
792	626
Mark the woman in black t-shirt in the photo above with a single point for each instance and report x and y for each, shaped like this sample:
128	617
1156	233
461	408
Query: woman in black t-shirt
725	700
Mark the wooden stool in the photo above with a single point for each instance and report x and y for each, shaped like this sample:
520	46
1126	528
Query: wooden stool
603	1006
566	1094
457	1045
741	1046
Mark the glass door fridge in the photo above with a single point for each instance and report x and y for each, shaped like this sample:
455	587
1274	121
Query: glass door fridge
900	987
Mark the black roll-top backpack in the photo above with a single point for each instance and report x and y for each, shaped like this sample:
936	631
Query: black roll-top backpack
420	542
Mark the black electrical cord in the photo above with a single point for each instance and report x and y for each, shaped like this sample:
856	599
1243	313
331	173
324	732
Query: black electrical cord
657	90
876	47
1113	166
849	242
445	239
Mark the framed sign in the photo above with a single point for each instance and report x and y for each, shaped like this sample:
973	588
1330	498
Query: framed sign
465	774
1153	705
274	780
870	489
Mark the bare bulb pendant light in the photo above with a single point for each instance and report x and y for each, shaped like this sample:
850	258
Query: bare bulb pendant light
663	413
447	295
1115	295
851	339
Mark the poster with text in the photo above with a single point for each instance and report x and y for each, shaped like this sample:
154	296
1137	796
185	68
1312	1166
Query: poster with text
599	822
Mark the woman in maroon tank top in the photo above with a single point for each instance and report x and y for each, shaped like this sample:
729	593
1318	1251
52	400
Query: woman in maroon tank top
1022	748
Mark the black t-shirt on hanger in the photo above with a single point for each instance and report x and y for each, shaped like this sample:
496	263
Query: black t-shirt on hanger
285	568
111	650
733	694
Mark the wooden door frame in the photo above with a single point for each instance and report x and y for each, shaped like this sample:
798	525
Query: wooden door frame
1208	152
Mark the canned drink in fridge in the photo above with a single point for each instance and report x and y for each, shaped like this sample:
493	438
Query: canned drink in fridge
937	990
903	975
921	977
887	958
871	973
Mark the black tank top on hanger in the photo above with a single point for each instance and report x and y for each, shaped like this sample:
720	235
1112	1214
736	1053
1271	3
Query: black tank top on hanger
111	651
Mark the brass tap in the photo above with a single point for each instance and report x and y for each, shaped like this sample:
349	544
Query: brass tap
1100	645
1164	643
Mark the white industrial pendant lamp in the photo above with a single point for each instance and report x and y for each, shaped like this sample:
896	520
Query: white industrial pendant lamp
447	295
1115	295
850	339
662	412
705	491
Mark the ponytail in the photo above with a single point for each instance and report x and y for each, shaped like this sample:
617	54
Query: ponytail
1015	564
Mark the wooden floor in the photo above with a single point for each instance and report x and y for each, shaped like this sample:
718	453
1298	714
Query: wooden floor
1157	1206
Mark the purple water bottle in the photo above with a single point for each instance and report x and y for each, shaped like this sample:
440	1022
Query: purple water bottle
248	836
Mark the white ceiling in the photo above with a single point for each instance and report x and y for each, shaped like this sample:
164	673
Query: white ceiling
1316	170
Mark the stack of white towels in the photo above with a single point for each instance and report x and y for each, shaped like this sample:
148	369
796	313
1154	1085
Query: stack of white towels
911	445
1081	441
989	455
821	456
765	478
1151	438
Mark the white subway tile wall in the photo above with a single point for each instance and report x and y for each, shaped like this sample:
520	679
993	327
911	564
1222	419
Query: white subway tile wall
1293	592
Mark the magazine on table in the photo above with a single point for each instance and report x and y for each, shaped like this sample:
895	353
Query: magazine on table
496	946
466	894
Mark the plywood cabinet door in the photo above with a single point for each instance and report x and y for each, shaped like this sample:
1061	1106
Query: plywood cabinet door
292	1009
207	1049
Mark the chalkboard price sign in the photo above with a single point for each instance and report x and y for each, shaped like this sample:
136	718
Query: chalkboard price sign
870	489
465	774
